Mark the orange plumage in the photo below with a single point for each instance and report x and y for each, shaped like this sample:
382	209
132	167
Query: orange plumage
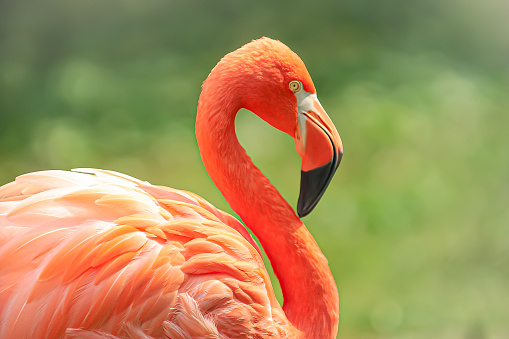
98	254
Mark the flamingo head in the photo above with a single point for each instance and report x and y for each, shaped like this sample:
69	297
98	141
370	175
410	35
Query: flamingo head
270	80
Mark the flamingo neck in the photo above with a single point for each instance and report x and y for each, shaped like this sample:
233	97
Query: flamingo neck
310	295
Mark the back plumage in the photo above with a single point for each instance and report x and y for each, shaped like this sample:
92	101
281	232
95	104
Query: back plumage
98	254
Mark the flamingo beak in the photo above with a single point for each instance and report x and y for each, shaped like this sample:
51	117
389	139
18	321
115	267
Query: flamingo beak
318	143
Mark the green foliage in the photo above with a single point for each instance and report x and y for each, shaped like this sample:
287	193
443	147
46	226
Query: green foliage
415	223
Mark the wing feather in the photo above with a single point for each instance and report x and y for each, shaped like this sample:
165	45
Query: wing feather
71	251
129	242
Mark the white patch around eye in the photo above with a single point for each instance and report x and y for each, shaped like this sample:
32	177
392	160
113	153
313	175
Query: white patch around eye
305	103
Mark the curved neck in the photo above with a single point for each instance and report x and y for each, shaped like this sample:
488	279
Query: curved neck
310	295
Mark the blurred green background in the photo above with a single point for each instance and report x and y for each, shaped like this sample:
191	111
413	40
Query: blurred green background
415	222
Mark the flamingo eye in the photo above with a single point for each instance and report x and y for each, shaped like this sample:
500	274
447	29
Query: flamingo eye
295	86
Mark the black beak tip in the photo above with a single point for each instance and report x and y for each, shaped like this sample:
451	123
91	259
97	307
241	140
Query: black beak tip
313	184
302	212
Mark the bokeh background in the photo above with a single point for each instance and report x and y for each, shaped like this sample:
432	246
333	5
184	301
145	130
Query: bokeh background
415	223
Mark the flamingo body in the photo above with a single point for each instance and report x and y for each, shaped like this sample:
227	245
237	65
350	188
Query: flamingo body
101	254
98	254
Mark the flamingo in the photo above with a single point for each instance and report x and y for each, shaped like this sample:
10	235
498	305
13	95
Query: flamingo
91	253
